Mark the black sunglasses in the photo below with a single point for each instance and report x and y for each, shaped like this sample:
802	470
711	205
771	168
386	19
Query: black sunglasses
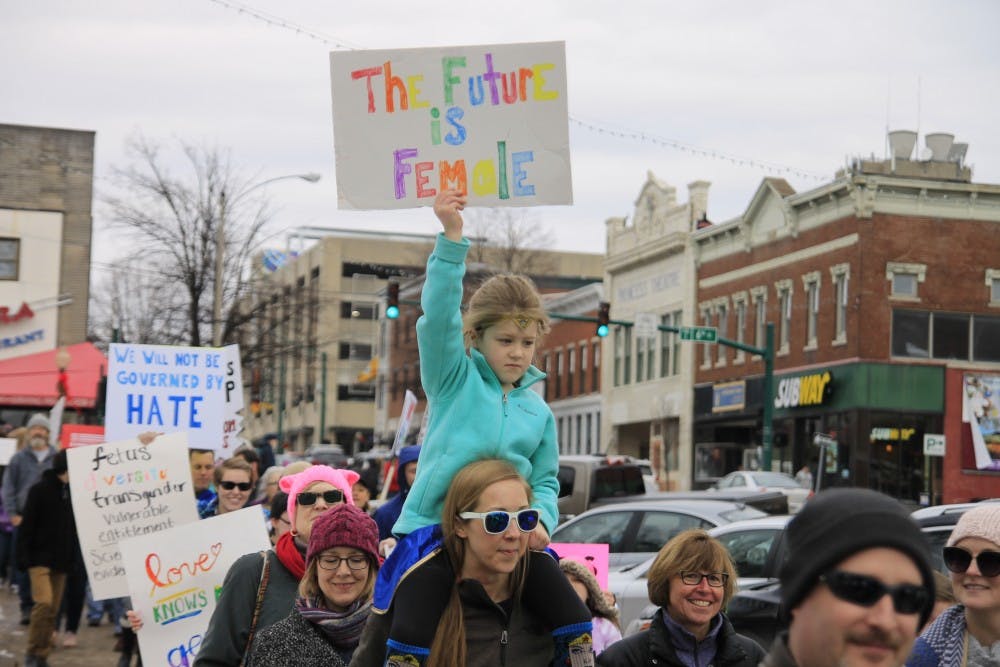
958	561
229	486
865	591
496	522
331	497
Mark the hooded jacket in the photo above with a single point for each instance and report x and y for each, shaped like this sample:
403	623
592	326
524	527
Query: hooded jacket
471	417
387	514
47	534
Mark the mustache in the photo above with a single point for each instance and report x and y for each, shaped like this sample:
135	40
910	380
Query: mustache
876	637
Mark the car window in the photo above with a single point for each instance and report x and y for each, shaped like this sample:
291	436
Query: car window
737	480
937	537
749	550
657	528
774	479
606	527
566	477
612	481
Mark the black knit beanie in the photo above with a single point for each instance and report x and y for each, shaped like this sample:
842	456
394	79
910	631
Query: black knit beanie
837	523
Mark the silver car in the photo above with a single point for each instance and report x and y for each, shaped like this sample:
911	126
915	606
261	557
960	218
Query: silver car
759	480
756	546
636	530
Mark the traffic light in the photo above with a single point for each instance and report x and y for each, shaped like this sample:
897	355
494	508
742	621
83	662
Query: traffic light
603	318
392	303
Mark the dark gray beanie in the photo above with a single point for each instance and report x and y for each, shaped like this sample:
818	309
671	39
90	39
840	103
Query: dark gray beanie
837	523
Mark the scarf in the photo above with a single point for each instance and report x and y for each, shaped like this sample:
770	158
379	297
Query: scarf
290	555
341	628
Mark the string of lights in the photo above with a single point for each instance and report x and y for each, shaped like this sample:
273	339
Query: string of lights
592	126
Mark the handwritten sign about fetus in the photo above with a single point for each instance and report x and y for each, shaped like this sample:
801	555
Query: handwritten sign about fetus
123	489
490	120
167	389
175	578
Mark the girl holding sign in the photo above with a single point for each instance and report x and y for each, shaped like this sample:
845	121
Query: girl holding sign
477	375
334	600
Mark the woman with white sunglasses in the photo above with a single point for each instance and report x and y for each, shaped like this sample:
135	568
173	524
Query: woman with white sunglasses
480	556
969	632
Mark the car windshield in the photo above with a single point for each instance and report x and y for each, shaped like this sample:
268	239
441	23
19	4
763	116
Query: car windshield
745	512
774	479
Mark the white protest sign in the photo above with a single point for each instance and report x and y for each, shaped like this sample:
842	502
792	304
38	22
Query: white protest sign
124	489
490	120
166	389
232	423
409	405
8	446
174	579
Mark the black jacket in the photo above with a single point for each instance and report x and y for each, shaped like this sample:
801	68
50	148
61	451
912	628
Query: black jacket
493	638
653	647
47	534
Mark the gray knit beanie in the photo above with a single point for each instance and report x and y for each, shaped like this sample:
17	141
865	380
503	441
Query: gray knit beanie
837	523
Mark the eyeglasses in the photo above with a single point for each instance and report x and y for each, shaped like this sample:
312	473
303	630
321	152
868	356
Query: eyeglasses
355	562
714	579
865	591
229	486
331	497
958	561
496	522
284	520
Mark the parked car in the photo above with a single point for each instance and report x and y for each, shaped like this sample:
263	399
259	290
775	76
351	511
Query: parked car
756	545
636	530
760	480
754	611
586	479
769	502
330	455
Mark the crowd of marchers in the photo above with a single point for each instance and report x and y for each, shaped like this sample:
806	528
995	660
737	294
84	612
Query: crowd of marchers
456	568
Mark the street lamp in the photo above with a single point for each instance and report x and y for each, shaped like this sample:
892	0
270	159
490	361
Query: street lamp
220	248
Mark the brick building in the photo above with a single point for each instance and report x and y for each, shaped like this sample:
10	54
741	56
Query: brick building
884	289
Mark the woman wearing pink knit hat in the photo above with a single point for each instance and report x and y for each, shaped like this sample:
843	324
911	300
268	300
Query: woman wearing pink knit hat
969	632
260	588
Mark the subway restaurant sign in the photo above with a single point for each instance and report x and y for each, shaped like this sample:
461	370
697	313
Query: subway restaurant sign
804	390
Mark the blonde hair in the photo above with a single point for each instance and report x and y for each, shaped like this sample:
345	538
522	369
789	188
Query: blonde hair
504	296
689	551
309	586
448	647
234	463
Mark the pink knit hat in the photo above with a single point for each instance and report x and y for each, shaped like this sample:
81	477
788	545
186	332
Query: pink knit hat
982	521
344	526
293	484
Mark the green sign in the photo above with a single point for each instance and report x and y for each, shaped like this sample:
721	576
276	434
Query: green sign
700	334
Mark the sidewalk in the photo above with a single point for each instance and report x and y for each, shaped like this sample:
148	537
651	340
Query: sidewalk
94	645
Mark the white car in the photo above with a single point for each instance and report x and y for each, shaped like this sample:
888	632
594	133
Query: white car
759	480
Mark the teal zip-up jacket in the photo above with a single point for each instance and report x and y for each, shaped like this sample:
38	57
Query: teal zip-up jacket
470	418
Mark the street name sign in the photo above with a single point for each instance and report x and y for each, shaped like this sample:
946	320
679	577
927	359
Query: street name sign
700	334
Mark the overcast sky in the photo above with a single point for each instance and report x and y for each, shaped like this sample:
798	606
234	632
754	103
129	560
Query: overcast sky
801	85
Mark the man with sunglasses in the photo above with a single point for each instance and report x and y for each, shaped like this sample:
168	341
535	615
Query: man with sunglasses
969	632
857	584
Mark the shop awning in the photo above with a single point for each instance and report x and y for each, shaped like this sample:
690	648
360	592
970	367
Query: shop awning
31	380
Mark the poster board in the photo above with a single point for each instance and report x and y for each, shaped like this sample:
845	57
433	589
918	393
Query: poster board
174	579
167	389
122	489
981	411
8	447
491	120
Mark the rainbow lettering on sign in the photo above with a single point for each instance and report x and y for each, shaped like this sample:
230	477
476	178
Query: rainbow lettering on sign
465	89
